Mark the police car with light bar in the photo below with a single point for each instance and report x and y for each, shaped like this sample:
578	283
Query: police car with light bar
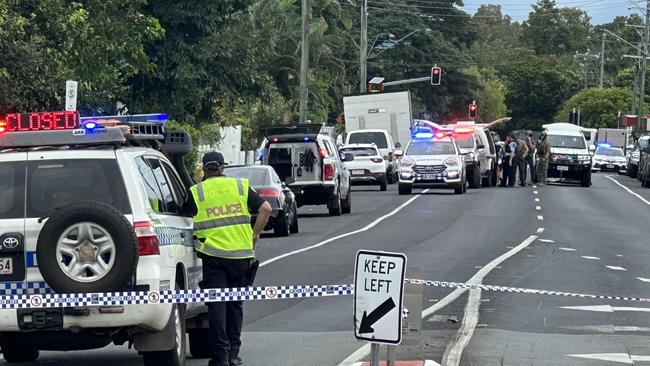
432	160
95	205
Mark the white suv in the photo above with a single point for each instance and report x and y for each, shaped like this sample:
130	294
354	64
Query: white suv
94	206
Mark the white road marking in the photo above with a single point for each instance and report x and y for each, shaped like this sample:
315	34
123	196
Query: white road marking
643	279
640	358
610	329
619	255
538	208
629	191
535	192
476	279
534	186
616	268
589	257
567	249
365	228
612	357
536	199
470	321
606	308
540	218
540	230
546	240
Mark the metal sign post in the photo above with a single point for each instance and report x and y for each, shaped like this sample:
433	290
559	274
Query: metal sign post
71	95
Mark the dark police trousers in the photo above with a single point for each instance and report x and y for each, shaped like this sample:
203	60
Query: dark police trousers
226	318
518	164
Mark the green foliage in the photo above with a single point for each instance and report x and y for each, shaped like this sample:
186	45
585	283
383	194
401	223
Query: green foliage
598	107
553	31
490	95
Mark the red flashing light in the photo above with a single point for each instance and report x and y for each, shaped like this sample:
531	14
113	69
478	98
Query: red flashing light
269	192
40	121
440	135
328	171
147	238
464	130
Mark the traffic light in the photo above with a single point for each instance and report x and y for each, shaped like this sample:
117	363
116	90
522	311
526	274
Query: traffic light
473	110
436	75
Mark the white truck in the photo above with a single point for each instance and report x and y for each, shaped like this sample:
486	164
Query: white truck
614	137
384	111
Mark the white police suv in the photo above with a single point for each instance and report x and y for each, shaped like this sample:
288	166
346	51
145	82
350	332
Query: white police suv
432	160
95	205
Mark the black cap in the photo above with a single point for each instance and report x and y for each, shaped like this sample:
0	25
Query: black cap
213	160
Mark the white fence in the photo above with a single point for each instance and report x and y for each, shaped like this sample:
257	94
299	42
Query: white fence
230	147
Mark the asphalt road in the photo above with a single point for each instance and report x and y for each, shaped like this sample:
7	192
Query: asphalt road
565	238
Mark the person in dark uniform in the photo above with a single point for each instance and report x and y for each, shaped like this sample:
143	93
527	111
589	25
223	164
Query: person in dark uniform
222	208
508	169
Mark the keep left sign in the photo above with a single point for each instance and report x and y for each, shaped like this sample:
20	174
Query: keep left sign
378	296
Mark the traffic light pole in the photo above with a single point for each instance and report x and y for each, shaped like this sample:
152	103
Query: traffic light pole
646	35
602	62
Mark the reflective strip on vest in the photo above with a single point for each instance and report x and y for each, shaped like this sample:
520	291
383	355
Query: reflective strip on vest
234	254
226	221
240	187
199	191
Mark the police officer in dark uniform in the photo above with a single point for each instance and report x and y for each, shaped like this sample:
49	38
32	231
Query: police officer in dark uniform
222	209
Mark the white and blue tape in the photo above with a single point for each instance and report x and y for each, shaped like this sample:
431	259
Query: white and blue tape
53	300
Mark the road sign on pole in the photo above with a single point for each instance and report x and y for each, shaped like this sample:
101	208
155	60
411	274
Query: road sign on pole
71	95
378	296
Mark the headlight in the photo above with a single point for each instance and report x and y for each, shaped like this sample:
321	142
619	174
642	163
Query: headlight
452	173
452	160
407	162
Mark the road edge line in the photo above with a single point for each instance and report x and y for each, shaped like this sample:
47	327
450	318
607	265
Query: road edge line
341	236
629	190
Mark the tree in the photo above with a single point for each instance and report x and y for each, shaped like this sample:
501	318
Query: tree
553	31
490	96
493	26
537	89
598	107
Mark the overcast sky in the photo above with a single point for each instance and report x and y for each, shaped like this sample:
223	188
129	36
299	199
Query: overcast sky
600	11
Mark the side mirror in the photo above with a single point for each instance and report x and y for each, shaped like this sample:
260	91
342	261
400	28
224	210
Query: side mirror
289	181
399	153
398	145
592	148
348	157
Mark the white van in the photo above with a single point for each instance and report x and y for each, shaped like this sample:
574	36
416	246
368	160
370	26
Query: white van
570	154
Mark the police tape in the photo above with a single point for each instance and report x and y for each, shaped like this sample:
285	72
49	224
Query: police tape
522	290
55	300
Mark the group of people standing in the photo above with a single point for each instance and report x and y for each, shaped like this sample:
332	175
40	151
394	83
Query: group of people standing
519	155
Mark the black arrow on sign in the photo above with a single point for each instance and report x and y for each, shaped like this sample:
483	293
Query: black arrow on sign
369	319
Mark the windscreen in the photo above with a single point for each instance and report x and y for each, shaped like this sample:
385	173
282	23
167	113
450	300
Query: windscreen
257	177
567	142
431	148
53	184
376	138
610	152
359	151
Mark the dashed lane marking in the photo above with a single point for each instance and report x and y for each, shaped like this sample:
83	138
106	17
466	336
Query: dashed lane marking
535	192
536	199
546	240
616	268
567	249
540	218
643	279
538	208
589	257
540	230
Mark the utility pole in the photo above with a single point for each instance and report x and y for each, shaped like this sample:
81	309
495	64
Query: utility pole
602	62
646	35
304	62
363	47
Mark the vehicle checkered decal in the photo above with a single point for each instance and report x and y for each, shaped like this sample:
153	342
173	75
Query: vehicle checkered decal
20	288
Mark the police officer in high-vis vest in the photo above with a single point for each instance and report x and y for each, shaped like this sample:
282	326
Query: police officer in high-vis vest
222	209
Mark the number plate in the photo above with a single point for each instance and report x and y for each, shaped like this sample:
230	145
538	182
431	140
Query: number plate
429	177
6	266
610	166
563	168
358	172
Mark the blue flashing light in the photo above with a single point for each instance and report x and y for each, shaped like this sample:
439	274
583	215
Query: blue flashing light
605	145
151	117
424	135
90	125
306	138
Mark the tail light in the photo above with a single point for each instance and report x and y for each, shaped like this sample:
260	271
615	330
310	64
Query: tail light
147	238
329	171
268	192
323	153
376	160
3	126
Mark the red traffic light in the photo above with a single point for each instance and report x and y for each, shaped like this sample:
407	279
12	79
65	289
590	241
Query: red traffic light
473	108
436	75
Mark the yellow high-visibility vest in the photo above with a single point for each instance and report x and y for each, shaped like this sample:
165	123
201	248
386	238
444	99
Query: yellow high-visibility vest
223	222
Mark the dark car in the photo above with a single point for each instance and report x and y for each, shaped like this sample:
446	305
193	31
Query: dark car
267	183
